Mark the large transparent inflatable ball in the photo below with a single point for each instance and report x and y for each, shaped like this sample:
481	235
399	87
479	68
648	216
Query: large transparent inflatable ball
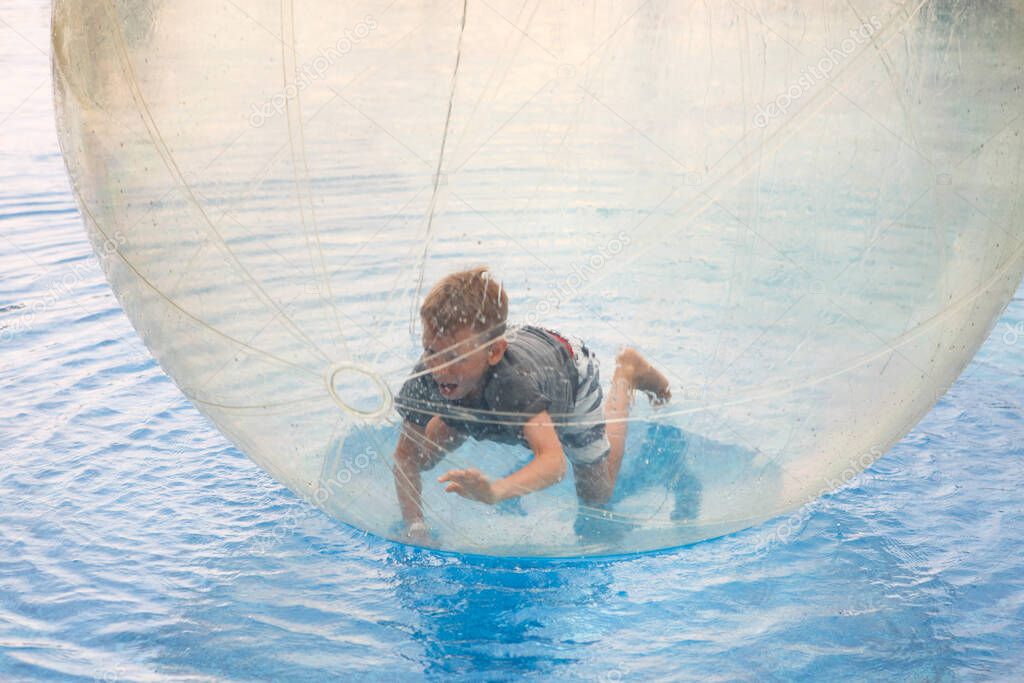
806	216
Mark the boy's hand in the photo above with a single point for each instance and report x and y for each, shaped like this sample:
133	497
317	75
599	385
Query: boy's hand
471	483
418	533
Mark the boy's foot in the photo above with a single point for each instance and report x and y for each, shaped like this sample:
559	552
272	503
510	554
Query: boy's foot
644	376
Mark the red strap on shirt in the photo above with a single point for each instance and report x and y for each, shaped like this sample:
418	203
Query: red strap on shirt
565	342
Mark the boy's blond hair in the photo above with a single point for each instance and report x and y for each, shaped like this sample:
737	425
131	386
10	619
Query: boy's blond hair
470	298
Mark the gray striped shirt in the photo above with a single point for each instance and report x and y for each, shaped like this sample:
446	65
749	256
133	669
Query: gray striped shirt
537	373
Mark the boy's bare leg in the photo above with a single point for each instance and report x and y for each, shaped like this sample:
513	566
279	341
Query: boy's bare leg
595	483
632	373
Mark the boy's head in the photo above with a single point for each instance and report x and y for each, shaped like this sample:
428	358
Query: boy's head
464	318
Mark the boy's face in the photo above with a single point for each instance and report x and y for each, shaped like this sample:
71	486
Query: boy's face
458	362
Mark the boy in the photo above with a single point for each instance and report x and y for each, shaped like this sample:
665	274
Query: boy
531	386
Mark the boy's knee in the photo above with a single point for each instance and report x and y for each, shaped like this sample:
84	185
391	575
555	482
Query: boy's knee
593	489
595	499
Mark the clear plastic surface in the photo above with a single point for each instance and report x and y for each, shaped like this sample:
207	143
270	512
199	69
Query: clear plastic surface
808	216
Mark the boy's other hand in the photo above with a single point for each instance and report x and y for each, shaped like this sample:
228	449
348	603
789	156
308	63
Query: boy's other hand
470	483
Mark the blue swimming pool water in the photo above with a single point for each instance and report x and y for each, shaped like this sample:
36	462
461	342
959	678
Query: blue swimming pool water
137	544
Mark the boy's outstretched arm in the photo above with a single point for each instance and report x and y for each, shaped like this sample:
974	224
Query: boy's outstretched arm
547	467
419	448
